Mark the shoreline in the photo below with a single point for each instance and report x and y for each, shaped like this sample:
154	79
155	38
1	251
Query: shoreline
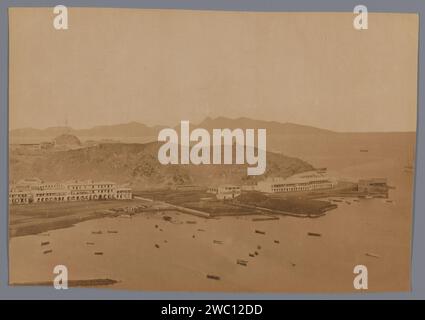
71	283
43	224
39	218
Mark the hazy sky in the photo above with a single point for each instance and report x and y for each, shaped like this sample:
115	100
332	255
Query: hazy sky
162	66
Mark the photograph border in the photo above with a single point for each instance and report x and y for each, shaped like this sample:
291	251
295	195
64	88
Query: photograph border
418	231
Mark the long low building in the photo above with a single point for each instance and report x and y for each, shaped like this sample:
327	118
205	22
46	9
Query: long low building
226	191
34	191
374	185
305	181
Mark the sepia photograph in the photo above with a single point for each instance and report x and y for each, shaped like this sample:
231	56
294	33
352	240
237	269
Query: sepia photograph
212	151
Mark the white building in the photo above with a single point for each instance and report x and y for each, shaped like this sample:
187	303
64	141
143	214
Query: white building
91	190
305	181
123	193
35	190
19	197
224	192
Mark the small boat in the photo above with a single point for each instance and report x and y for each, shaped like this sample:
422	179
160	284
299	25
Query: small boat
213	277
242	262
314	234
265	219
96	232
98	253
373	255
45	243
47	251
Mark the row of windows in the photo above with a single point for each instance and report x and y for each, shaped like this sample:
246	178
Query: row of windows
18	201
71	198
124	196
299	188
92	191
90	186
21	195
60	198
52	194
51	186
315	183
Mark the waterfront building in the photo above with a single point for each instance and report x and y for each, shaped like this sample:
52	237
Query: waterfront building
305	181
19	197
123	193
224	192
34	191
374	185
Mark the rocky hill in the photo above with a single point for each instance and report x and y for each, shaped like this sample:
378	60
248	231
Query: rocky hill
67	139
138	165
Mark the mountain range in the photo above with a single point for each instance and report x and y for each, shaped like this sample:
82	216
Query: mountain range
133	157
136	129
